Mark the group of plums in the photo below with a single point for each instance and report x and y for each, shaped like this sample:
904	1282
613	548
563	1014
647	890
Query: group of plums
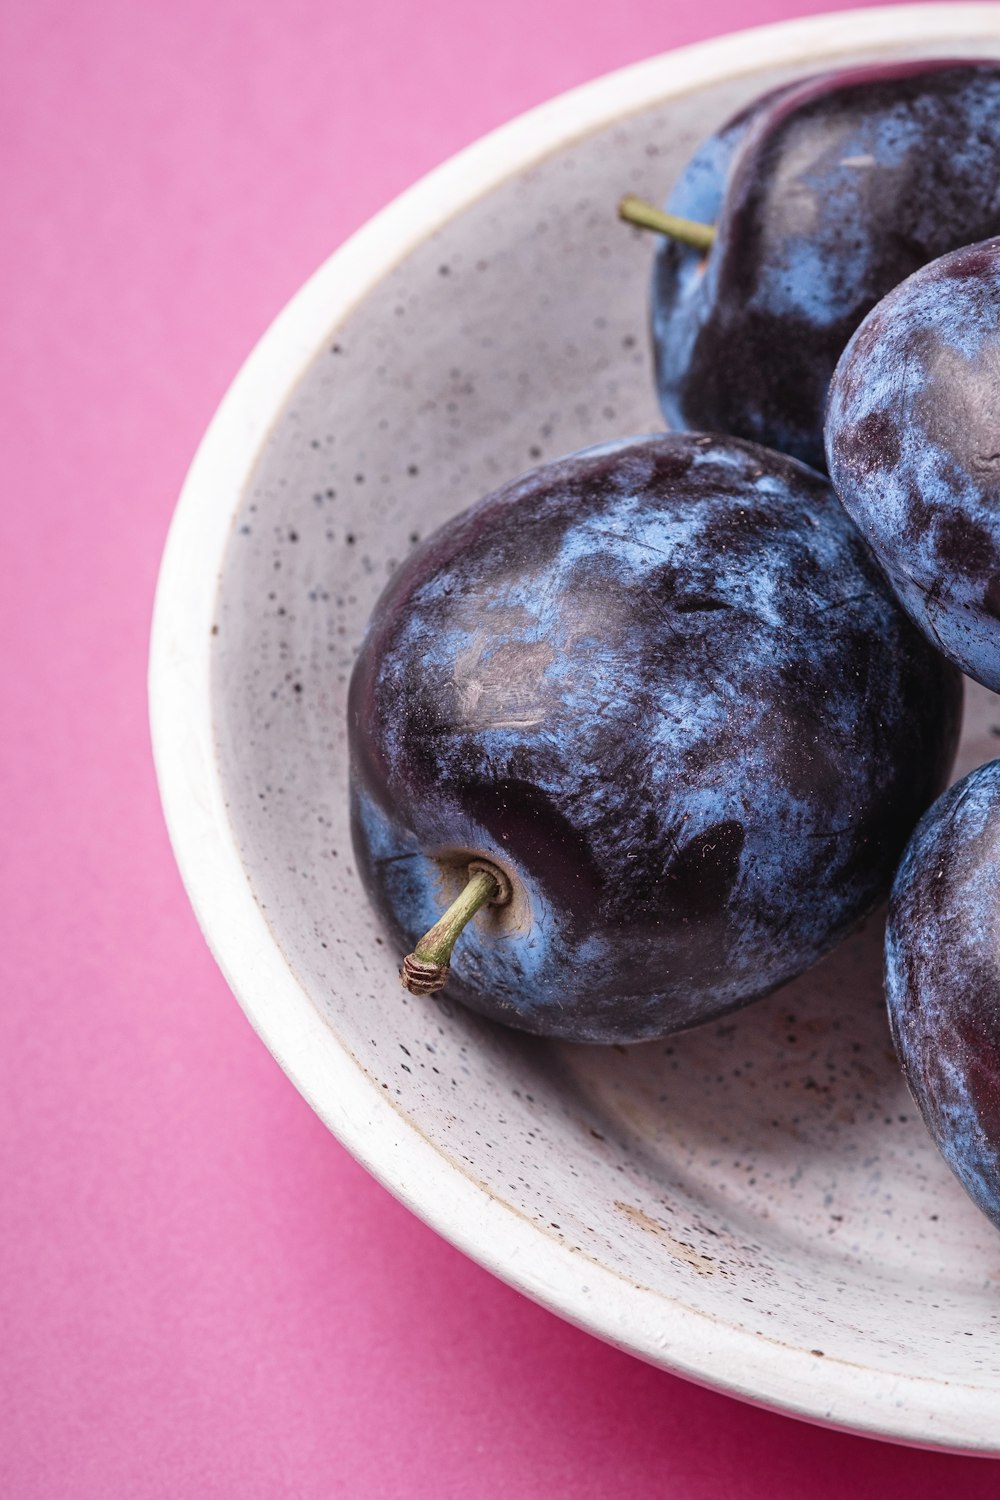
640	736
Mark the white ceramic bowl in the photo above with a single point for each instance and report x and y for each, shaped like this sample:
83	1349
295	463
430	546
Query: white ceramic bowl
754	1204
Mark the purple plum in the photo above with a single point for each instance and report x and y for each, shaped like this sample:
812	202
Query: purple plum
824	196
663	693
913	439
942	977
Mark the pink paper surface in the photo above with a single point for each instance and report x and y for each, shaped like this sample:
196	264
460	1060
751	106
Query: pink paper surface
201	1294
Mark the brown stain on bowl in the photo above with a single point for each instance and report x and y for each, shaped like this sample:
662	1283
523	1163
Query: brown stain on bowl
705	1265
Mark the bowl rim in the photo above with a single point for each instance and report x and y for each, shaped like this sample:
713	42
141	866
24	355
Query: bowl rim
922	1411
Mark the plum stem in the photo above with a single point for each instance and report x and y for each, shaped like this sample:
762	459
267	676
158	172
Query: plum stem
425	969
643	215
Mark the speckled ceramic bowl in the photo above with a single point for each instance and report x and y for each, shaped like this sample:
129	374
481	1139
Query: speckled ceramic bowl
754	1204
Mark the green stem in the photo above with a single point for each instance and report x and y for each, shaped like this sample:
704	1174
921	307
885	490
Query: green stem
426	968
645	215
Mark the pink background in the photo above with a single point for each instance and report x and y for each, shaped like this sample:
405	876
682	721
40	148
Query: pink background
201	1294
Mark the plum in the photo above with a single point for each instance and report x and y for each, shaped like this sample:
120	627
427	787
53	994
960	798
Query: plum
663	693
942	977
824	197
913	441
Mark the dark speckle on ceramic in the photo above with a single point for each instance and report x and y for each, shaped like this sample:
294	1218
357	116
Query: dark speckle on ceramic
767	1170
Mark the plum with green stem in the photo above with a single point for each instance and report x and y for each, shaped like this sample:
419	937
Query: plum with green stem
663	693
822	196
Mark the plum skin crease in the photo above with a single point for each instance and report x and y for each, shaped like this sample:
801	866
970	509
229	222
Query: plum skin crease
942	978
913	444
825	195
665	687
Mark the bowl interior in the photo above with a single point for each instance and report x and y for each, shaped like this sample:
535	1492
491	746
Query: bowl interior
769	1171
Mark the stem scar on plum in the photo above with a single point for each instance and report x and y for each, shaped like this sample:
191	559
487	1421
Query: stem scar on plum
425	970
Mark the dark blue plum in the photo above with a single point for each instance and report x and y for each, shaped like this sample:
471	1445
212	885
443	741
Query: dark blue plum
913	438
942	977
825	196
665	687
